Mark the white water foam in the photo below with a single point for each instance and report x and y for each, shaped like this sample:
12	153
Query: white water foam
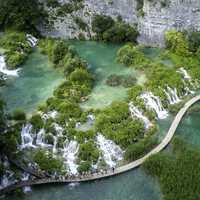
137	113
153	102
5	70
112	153
70	155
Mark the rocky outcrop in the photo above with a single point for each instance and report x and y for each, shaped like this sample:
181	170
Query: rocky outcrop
176	14
157	17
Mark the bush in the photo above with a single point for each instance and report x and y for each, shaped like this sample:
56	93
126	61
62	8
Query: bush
108	30
37	121
194	41
177	43
18	115
47	162
136	151
88	152
58	52
131	55
101	23
84	167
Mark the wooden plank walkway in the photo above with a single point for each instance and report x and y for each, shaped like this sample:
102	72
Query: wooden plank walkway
118	170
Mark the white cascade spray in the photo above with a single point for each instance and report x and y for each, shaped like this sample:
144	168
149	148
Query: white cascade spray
70	155
40	139
51	114
153	102
172	95
27	137
4	70
137	113
111	152
31	40
25	177
185	73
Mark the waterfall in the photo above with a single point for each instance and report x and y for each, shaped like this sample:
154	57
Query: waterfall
111	152
70	155
172	95
137	113
25	177
4	70
51	114
40	139
154	103
59	129
55	144
185	73
31	40
26	136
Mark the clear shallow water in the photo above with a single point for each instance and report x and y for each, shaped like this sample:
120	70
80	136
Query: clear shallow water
102	62
36	82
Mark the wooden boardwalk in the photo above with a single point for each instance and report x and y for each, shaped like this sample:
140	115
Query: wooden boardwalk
118	170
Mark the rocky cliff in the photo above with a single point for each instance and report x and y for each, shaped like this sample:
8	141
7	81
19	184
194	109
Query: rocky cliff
155	17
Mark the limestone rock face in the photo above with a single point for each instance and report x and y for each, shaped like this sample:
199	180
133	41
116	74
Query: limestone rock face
157	18
178	14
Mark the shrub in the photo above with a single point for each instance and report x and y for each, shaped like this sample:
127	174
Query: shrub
84	167
130	55
88	152
47	162
58	52
18	115
177	43
136	151
37	121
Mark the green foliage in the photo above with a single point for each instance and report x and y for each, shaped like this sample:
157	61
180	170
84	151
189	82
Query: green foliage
101	23
137	150
179	174
116	124
9	142
21	15
37	121
84	166
47	162
16	46
108	30
177	43
88	152
58	52
131	55
18	115
194	41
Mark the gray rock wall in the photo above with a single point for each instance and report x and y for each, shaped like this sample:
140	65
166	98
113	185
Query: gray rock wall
178	14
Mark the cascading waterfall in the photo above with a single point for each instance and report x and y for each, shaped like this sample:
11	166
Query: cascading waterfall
172	95
70	155
111	152
4	70
153	102
51	114
26	136
31	40
185	73
137	113
40	139
25	177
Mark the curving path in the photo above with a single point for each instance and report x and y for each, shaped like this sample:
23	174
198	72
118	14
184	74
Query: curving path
118	170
